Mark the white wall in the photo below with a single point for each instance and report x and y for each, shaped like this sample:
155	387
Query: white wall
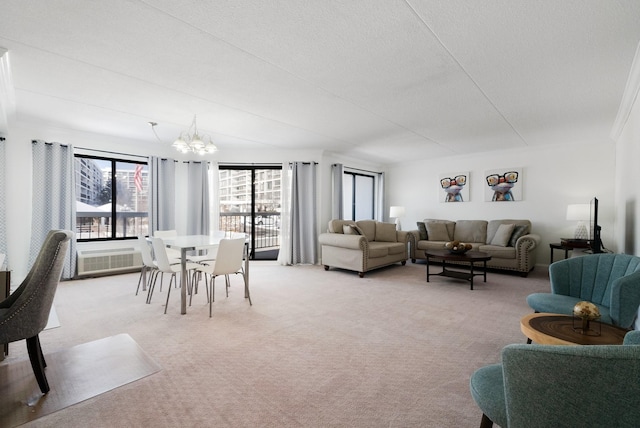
627	134
552	178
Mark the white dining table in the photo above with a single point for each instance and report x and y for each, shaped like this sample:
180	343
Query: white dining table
186	243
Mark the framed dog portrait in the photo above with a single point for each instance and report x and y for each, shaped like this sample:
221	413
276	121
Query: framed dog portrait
454	187
503	185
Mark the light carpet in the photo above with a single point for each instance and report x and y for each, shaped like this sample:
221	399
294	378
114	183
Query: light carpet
316	349
74	375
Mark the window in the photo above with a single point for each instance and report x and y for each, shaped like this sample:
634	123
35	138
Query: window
108	189
358	192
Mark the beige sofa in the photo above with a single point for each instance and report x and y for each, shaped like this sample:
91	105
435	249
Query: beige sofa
368	246
511	248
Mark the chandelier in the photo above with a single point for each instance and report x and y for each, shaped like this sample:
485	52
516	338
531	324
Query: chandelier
190	140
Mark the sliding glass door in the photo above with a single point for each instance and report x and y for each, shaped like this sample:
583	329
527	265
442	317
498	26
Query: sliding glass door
250	203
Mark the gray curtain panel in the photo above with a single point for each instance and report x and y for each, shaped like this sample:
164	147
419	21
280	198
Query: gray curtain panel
3	200
197	198
337	197
304	247
379	212
54	198
162	194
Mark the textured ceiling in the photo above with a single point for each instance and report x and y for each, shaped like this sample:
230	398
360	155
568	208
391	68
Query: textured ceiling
378	80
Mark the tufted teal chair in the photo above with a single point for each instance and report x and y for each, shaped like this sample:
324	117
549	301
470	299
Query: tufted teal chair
610	281
25	313
561	386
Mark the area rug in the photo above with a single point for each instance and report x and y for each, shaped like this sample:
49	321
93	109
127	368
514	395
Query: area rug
75	374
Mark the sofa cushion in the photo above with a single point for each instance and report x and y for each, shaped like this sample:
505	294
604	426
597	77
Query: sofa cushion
493	225
368	228
422	231
337	226
502	235
469	231
518	231
437	231
498	252
386	232
396	248
351	229
378	249
451	226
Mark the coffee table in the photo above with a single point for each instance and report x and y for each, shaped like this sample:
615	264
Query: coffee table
470	257
556	329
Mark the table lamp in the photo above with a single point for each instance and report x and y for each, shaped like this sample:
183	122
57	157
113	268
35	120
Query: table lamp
396	212
579	213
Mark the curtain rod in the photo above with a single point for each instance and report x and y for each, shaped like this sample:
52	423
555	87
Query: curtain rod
113	153
358	169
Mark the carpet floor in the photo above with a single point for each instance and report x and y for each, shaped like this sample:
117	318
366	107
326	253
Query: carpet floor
316	349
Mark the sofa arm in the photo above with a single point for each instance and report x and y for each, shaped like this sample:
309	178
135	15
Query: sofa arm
355	242
525	251
413	240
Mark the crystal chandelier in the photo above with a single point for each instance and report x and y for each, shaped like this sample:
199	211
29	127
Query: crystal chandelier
190	140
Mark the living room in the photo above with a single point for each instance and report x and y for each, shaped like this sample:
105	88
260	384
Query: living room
586	153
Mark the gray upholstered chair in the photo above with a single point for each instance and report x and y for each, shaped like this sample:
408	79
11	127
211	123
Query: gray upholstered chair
25	313
561	386
610	281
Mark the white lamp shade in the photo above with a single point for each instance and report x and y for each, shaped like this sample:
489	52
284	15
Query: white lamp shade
396	212
578	212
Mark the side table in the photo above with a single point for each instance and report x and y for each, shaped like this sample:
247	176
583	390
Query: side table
566	246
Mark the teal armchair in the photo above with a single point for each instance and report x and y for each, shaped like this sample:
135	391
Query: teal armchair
610	281
561	386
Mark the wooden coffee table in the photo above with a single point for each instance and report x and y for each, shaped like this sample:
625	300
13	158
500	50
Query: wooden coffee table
556	329
470	257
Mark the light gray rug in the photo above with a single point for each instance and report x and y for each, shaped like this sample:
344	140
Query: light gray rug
316	349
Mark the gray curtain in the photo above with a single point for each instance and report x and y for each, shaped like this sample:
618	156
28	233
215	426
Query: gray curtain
162	194
54	198
337	198
379	212
3	199
303	221
197	198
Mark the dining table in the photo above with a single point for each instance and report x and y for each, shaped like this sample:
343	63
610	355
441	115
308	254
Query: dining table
186	243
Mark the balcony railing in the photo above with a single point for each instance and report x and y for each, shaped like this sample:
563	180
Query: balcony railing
266	228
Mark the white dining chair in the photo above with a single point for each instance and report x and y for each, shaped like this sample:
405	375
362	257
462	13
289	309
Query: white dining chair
149	266
174	255
162	261
228	261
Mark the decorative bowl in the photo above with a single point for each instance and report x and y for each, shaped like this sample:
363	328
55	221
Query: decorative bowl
586	310
457	247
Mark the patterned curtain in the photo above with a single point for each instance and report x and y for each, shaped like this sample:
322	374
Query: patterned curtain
197	198
303	218
54	198
162	194
3	200
337	198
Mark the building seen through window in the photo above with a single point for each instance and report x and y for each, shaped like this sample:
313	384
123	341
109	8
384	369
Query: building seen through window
112	198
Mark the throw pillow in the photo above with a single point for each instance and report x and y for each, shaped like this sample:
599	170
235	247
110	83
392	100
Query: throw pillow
437	231
503	234
422	230
351	229
518	231
386	232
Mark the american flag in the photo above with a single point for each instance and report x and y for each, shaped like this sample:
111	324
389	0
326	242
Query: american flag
137	178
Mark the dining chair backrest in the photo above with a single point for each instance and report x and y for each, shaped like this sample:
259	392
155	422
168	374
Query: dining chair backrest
145	251
161	254
165	234
230	256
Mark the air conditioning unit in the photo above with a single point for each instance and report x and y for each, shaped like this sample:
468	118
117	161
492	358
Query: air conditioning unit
106	261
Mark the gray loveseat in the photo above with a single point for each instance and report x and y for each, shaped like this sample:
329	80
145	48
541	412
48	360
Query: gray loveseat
363	245
510	243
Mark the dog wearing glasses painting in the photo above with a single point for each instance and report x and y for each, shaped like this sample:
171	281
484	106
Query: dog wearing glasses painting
502	185
453	187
